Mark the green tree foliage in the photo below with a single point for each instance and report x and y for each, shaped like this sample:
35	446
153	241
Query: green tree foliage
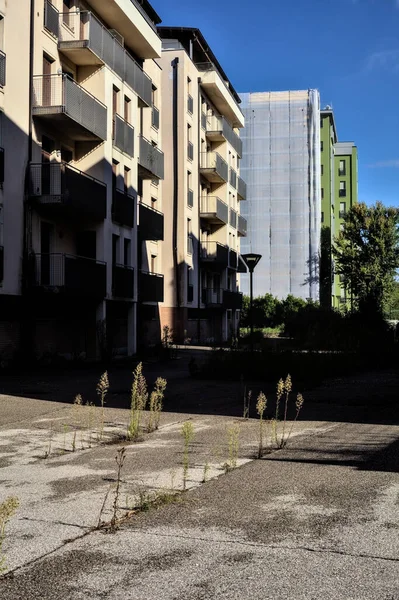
366	254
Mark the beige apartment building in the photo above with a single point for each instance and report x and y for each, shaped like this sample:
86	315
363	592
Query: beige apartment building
81	166
202	190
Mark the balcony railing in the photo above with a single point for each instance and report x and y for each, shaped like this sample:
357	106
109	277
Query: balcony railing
1	263
217	127
150	287
216	253
51	18
214	209
232	300
75	275
82	36
233	178
241	189
211	297
123	207
190	150
213	167
151	223
233	259
1	166
190	198
242	226
62	189
3	61
151	159
342	214
155	117
123	137
59	96
233	218
190	104
122	281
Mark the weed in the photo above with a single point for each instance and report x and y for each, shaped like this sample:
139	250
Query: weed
284	388
156	404
260	409
188	435
50	440
205	472
77	407
233	433
102	390
138	401
91	417
7	511
298	405
120	459
279	395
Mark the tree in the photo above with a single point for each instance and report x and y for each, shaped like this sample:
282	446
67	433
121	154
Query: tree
366	254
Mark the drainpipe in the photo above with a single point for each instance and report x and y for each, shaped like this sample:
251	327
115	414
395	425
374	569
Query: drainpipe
199	214
175	64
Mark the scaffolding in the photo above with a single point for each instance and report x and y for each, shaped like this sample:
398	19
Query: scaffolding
281	165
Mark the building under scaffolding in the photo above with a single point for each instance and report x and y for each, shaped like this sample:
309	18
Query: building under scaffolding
281	165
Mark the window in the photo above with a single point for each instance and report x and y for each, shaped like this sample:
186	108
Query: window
190	193
321	146
154	95
127	252
153	263
321	123
153	203
342	209
322	217
342	188
115	171
189	238
126	109
342	167
126	179
1	32
115	100
322	169
67	17
322	193
115	249
190	147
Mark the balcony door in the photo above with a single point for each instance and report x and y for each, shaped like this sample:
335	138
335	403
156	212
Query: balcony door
86	244
46	80
47	271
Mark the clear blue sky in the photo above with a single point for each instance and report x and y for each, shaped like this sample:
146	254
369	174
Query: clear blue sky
348	49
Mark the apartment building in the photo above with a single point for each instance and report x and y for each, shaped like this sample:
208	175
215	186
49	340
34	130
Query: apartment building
202	190
281	166
339	191
81	223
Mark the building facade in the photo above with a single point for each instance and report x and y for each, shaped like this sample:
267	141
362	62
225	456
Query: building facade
281	165
202	190
81	222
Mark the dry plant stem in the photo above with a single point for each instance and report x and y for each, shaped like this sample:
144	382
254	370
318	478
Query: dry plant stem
206	471
102	389
156	404
138	401
247	401
260	408
100	521
188	434
120	459
233	434
287	389
298	404
279	394
7	511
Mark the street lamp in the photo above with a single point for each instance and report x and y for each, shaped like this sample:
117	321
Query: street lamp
251	260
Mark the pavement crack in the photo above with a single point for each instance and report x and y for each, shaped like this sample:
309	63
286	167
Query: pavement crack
83	527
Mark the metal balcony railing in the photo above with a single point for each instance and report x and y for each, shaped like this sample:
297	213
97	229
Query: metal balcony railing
211	296
233	218
122	281
151	223
82	30
150	287
155	117
214	252
232	300
61	186
3	62
190	198
242	226
190	150
151	159
1	166
70	274
123	136
190	104
213	166
51	18
233	178
123	207
233	259
216	125
213	207
206	67
241	189
60	94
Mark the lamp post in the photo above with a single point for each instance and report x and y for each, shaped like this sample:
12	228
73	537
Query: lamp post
251	260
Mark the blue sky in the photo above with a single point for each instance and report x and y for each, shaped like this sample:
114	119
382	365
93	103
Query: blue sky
348	49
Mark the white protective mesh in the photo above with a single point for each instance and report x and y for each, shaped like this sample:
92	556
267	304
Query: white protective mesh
281	166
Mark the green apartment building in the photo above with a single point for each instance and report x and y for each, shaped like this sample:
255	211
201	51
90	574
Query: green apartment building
339	191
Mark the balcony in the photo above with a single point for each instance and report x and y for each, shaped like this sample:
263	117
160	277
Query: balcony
214	253
214	210
190	104
150	287
190	198
1	166
155	117
233	218
123	208
66	104
219	129
85	41
242	226
220	94
211	297
61	190
232	300
2	69
1	263
241	189
150	223
233	259
123	136
51	18
190	150
67	274
233	178
151	160
213	167
122	281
